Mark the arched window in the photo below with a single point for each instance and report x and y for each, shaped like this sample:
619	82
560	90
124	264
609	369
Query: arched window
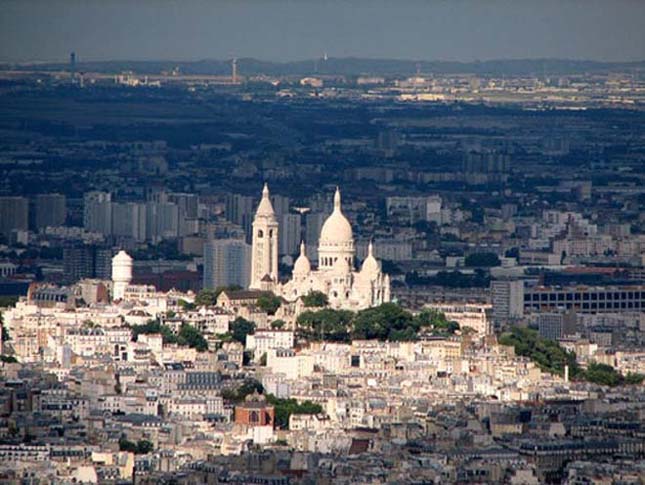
260	234
270	232
254	417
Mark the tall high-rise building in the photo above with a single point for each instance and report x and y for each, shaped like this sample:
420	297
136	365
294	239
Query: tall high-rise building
129	220
227	262
50	210
264	262
97	212
103	262
14	214
78	263
162	221
280	204
86	261
237	206
188	205
290	233
313	225
508	300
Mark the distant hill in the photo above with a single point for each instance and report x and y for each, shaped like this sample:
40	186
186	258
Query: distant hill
347	66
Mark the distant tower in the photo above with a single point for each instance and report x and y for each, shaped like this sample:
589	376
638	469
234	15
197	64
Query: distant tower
264	257
121	274
234	70
72	62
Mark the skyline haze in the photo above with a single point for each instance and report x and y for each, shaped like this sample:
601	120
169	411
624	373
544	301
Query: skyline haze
274	30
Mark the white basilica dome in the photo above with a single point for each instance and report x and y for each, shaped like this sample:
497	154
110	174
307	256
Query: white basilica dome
302	265
336	229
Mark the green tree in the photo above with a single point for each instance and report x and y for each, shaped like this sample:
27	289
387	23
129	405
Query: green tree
190	336
187	335
240	328
154	326
269	303
143	447
315	299
278	324
485	260
326	324
634	378
207	297
127	445
186	306
547	354
385	322
284	408
239	393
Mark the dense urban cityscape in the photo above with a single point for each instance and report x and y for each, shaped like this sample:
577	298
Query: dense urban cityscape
336	271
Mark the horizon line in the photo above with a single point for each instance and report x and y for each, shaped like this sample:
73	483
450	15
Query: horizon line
315	59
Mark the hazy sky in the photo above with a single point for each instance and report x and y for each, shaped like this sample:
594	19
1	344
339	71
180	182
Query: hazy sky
289	30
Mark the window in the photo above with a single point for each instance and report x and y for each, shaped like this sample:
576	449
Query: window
260	234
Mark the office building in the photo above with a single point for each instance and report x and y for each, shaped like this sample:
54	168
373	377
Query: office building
290	233
14	215
227	262
585	299
97	212
507	297
50	210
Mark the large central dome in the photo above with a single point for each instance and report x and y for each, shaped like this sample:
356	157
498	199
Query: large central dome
336	228
336	238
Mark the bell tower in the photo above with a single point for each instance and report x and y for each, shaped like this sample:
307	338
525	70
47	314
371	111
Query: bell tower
264	258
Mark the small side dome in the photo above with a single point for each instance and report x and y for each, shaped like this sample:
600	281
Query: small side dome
370	266
302	265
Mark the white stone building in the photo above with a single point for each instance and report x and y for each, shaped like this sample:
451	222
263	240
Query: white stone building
335	276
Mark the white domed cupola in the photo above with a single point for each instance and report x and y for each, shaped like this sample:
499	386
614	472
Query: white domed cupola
302	267
371	267
336	238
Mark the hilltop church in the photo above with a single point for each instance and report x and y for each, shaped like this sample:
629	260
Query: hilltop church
336	277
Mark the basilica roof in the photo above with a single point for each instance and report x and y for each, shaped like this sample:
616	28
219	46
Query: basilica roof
302	264
336	228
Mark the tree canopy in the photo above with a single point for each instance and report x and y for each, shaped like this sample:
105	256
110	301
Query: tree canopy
240	328
269	303
547	354
237	394
385	322
551	357
284	408
485	260
141	447
187	335
327	324
208	297
315	299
